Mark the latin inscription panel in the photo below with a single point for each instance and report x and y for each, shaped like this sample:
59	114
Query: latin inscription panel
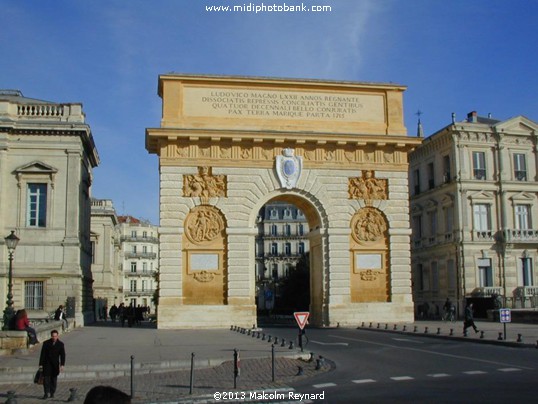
281	104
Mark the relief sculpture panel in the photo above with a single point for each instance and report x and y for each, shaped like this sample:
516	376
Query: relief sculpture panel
204	184
368	187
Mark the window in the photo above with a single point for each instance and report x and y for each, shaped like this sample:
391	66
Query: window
520	167
416	181
435	276
301	248
417	227
274	230
287	247
449	219
424	277
481	217
144	267
37	205
145	249
287	213
133	285
133	233
134	249
526	271
300	229
287	230
433	224
144	286
273	214
479	165
33	295
485	273
451	273
446	169
431	176
275	271
133	267
145	234
287	270
274	248
523	218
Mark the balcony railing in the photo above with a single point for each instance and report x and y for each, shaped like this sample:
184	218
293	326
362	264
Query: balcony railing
488	291
148	292
147	255
518	235
483	235
525	291
141	273
140	239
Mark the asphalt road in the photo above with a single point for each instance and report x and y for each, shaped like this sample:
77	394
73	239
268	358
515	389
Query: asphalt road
382	367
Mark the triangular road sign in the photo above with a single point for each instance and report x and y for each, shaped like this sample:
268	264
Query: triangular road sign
301	317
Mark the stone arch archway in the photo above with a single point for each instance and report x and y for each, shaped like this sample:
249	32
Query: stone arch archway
317	221
228	145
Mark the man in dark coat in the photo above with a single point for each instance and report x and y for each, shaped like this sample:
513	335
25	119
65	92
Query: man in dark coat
52	361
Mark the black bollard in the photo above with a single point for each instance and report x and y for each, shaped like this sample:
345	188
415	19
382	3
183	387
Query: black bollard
72	394
425	330
370	325
378	325
500	338
415	329
386	326
276	340
283	342
319	362
231	327
451	331
481	334
270	339
248	332
11	399
263	337
519	338
299	371
273	362
438	330
259	335
237	367
291	345
395	327
311	359
191	385
132	378
405	328
362	325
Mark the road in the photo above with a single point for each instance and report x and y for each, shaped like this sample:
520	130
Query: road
383	367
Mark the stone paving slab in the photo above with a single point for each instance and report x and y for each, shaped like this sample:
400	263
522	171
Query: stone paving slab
170	387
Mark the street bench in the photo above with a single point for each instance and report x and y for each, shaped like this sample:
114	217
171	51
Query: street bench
15	341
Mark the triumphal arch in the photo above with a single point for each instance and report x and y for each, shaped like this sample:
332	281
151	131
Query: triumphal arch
337	150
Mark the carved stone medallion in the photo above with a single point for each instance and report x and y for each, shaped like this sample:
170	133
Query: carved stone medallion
204	276
368	225
204	223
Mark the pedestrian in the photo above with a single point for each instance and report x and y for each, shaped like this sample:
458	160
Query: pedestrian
105	313
122	314
23	324
106	395
52	362
469	320
59	314
113	312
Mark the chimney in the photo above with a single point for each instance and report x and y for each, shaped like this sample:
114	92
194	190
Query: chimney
472	117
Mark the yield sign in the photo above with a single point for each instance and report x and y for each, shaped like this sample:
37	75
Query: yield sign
301	317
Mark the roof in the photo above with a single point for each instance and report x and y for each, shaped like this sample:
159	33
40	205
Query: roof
17	96
128	219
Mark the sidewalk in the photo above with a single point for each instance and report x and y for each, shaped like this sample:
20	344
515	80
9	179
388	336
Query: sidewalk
101	354
517	334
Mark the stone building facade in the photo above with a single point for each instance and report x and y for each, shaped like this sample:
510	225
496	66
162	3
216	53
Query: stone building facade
106	262
474	215
140	260
227	146
47	154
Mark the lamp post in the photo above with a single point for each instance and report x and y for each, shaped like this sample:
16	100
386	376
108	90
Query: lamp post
11	243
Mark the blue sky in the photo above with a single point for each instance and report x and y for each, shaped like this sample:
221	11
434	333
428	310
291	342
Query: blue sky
454	56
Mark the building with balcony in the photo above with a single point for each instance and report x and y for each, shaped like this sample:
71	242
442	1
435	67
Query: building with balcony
47	155
474	215
281	241
106	246
140	258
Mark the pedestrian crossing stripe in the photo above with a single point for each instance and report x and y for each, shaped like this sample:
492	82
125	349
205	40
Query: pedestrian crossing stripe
401	378
475	372
439	375
320	386
361	381
509	370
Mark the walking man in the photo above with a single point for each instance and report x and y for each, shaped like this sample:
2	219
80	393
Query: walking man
52	361
469	320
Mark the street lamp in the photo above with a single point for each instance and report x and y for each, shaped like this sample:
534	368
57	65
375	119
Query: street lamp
11	243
